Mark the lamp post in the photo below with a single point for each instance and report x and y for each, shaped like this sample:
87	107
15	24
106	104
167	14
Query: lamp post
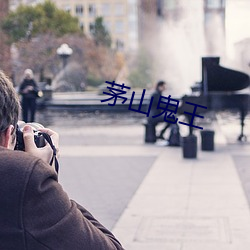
64	51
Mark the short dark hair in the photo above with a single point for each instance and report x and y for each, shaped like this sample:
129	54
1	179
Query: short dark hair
159	84
9	104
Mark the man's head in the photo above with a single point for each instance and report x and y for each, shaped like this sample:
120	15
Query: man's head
9	112
161	86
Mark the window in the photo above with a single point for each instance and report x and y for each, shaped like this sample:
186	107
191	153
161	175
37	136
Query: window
132	26
82	26
92	10
119	9
170	4
105	9
119	44
79	10
91	27
67	8
119	26
215	4
107	25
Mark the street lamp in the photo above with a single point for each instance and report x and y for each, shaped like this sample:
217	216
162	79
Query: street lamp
64	51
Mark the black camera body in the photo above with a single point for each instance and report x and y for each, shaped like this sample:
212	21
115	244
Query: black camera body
38	138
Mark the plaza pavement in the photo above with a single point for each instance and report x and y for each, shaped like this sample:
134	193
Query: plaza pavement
178	204
189	204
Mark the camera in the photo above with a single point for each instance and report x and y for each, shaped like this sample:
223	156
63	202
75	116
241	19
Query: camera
38	137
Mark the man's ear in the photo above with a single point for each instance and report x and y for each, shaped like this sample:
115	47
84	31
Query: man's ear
7	140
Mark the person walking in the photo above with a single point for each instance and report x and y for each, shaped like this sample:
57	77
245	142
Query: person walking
29	92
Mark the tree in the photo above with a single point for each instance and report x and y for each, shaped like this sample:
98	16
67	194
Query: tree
42	18
100	33
93	64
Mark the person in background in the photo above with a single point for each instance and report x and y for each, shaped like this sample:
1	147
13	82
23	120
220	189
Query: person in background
160	88
29	92
35	212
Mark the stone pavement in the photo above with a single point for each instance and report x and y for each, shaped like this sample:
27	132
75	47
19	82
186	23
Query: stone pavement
188	204
181	203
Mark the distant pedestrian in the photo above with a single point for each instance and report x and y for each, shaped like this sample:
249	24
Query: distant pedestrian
29	91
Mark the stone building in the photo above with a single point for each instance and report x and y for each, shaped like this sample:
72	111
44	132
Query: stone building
120	18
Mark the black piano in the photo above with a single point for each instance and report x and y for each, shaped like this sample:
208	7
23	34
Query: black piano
220	89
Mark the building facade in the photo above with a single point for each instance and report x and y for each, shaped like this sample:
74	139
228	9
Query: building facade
120	18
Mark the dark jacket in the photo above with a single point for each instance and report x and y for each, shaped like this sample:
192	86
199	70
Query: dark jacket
154	111
32	93
36	214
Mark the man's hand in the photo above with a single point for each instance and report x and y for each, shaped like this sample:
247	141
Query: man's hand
45	153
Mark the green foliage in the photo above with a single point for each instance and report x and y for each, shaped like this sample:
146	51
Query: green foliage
42	18
141	75
100	33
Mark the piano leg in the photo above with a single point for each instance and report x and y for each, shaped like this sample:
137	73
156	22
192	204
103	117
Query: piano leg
189	118
243	114
241	137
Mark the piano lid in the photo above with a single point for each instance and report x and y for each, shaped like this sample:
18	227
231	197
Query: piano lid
217	78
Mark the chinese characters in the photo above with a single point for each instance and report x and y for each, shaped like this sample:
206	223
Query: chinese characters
167	106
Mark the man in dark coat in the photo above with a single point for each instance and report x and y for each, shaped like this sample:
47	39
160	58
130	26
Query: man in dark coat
160	87
29	91
35	212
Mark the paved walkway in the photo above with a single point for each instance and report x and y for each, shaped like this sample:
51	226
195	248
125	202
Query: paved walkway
181	204
186	204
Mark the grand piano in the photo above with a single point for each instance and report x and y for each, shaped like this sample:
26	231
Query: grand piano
220	89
